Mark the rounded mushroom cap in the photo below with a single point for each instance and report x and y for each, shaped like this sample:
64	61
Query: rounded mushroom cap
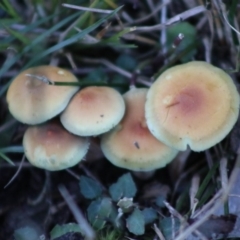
50	146
193	104
33	101
93	111
130	144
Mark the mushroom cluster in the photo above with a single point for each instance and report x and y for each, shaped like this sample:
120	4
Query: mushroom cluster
192	105
55	144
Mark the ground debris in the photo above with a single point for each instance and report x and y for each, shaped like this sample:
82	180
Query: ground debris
217	226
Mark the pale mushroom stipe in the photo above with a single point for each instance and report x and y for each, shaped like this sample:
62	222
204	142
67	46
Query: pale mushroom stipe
130	144
33	101
193	104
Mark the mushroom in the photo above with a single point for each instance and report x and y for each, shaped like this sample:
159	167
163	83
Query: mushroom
193	104
31	100
93	111
51	147
130	144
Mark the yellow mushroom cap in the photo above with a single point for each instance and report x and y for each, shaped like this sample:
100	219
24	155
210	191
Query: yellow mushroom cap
52	147
33	101
93	111
193	104
130	144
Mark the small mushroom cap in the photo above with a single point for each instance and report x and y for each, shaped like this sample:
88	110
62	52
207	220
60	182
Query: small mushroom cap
193	104
52	147
33	101
130	144
93	111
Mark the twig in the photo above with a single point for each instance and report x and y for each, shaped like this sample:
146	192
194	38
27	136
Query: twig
17	172
151	5
208	48
163	34
180	17
234	195
135	37
146	17
108	64
116	69
208	205
70	60
71	172
223	10
175	213
158	232
24	165
223	173
193	191
87	38
86	8
89	233
40	196
222	195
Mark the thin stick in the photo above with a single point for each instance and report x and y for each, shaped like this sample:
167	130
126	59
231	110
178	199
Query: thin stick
208	49
163	34
89	233
71	172
222	197
208	206
175	213
180	17
116	69
151	5
41	195
86	8
223	173
17	172
158	232
146	17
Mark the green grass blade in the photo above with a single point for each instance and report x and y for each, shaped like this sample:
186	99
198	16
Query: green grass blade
232	9
28	28
6	158
84	17
12	149
7	6
206	180
40	38
114	41
72	39
18	35
7	21
207	195
231	14
121	45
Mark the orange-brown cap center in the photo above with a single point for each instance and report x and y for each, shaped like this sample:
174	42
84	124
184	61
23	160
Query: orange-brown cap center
188	100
